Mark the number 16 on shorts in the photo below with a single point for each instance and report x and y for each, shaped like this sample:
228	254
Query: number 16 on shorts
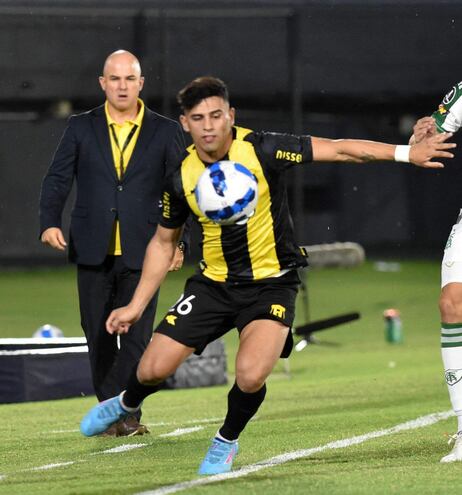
183	306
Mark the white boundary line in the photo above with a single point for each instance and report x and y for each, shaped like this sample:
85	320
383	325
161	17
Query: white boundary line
51	466
420	422
122	448
181	431
161	423
115	450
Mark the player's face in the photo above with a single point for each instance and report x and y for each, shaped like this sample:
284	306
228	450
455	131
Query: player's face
122	82
210	124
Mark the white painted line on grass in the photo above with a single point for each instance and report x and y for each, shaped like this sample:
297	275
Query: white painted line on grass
188	422
160	423
205	420
182	431
63	431
420	422
50	466
122	448
115	450
45	467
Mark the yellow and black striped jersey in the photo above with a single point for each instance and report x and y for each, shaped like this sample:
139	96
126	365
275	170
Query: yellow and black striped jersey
265	245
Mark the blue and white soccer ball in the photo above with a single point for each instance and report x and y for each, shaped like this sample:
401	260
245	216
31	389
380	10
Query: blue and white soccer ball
48	331
227	193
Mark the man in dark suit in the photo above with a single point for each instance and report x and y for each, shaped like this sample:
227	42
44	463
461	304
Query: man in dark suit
118	154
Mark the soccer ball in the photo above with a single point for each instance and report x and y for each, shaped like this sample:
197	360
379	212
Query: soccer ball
227	193
48	331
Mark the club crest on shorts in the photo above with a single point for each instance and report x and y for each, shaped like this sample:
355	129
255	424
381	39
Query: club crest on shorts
453	376
278	310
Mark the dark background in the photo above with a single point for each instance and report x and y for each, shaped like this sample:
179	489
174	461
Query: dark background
359	69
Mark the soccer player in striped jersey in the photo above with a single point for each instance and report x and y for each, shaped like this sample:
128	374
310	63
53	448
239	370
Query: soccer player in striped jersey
448	118
248	279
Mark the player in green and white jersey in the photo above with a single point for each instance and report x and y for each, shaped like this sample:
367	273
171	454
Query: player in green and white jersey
448	118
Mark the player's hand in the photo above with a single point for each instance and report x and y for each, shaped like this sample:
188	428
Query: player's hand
423	128
177	261
53	236
422	154
121	319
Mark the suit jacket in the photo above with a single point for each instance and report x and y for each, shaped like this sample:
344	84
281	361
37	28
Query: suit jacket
84	154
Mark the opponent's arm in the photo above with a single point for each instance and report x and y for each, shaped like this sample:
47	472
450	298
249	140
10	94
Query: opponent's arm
361	151
157	261
448	117
423	128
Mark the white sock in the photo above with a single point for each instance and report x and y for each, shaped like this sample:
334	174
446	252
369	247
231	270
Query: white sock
223	439
126	408
451	352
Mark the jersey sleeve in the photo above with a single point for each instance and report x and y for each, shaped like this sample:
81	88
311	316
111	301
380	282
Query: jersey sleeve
448	117
282	150
175	209
176	150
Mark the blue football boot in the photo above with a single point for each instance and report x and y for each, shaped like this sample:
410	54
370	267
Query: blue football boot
219	457
102	416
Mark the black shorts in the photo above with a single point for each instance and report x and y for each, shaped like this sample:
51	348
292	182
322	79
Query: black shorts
207	309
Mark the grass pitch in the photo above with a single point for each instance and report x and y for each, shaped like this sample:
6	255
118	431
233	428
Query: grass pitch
351	384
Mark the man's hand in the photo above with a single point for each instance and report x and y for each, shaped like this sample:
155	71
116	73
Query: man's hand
423	128
121	319
422	153
177	261
53	236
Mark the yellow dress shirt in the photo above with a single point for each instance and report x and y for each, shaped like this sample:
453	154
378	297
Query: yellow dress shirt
122	132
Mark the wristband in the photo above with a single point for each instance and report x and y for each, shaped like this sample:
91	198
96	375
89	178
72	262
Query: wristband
402	153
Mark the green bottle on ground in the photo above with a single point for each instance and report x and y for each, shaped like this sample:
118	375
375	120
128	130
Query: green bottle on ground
393	326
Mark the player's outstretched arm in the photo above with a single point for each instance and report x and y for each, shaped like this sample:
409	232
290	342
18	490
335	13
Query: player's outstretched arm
361	151
157	261
424	152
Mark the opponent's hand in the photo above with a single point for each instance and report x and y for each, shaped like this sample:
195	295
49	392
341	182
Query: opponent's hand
53	236
423	128
177	262
121	319
421	154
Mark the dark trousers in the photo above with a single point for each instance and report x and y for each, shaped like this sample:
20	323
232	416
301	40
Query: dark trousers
103	288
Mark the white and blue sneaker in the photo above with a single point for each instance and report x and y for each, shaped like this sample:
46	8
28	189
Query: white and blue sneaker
102	416
456	452
219	457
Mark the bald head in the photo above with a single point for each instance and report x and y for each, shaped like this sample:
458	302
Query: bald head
122	82
121	57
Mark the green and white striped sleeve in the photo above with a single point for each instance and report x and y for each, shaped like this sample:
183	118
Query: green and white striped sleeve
448	117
